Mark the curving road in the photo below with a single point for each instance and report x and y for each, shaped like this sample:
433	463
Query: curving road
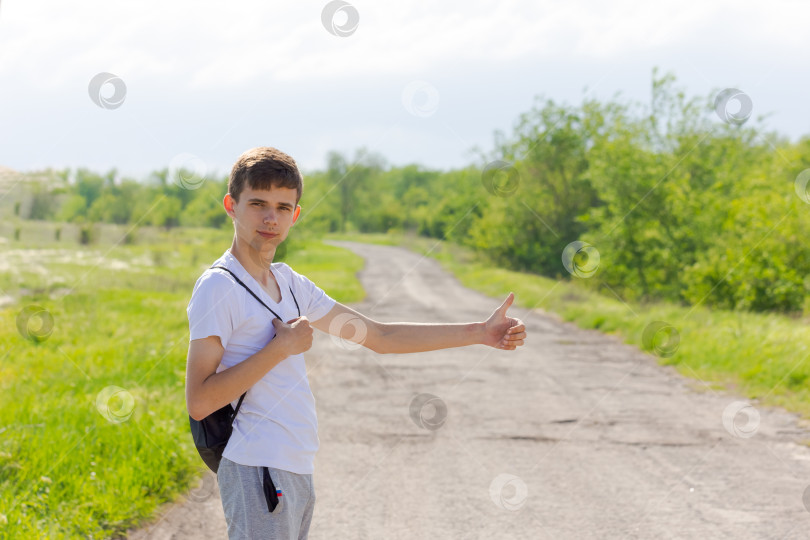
574	435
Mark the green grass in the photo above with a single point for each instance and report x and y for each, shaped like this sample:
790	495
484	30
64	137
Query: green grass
761	356
119	320
67	471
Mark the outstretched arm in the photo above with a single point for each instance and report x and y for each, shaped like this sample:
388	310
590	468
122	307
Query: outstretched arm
498	331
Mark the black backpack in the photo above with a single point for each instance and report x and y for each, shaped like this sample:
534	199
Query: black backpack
211	434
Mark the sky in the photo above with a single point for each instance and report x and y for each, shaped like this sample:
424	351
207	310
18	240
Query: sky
197	83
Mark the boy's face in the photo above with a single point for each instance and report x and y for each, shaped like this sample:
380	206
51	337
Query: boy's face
262	218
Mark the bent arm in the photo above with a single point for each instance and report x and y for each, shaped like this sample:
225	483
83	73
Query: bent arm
207	390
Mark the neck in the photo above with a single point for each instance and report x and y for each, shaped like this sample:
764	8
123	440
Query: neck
255	262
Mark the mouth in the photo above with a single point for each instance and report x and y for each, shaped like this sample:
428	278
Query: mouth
267	234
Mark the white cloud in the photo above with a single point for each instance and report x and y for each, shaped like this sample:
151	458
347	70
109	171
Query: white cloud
215	45
271	67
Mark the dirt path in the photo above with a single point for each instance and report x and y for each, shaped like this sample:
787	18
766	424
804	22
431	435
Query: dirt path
575	435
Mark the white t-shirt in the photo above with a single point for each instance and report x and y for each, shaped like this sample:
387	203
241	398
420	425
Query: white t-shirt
276	425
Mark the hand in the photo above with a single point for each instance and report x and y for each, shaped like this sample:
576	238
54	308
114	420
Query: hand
296	334
504	332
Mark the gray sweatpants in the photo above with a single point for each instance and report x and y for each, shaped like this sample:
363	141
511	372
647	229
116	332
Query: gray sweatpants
240	487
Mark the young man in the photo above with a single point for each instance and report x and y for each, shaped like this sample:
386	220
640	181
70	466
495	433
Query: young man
237	346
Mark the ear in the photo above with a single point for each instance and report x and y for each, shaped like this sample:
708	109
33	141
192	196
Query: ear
297	213
228	203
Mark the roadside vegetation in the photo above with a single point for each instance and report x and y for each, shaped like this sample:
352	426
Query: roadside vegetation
94	433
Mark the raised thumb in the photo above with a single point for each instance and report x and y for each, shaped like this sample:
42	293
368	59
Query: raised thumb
507	303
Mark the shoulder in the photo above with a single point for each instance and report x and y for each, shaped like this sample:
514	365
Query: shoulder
287	271
214	279
294	277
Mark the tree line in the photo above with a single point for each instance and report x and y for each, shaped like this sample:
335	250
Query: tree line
659	200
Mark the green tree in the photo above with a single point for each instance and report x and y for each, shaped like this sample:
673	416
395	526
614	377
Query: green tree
43	202
73	207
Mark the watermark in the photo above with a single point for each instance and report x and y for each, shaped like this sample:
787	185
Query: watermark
508	492
35	323
581	259
263	255
345	321
428	411
97	86
340	18
661	338
500	178
732	419
115	404
188	171
728	112
800	185
206	488
281	252
420	98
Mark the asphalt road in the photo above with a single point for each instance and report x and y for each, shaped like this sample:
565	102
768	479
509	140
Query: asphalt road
574	435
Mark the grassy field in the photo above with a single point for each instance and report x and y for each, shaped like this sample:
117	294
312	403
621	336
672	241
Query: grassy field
94	433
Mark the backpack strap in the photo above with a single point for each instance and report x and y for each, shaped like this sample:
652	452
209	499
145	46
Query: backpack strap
240	282
241	399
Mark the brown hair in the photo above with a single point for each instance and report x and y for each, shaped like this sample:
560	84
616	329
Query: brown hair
263	168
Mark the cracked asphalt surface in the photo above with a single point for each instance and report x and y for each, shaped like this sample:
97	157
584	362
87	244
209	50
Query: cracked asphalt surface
574	435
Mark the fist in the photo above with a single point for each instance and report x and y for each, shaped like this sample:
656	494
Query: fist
295	334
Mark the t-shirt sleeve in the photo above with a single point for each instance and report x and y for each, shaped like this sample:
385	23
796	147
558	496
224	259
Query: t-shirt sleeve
314	302
213	309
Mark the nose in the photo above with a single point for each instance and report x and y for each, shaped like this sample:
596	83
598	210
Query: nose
270	216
